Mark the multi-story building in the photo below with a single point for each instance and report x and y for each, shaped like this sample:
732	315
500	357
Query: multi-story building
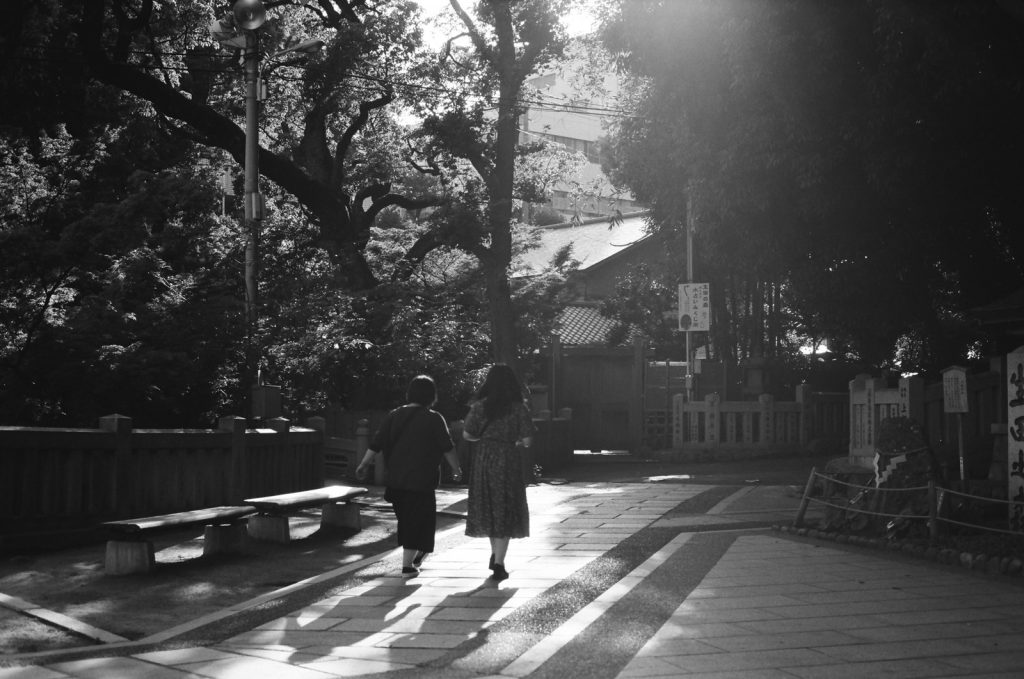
566	107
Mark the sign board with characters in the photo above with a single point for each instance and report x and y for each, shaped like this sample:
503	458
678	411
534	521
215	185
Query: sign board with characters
694	307
1015	437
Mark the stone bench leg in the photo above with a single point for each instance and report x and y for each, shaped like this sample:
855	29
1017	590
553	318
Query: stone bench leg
224	539
129	556
340	515
269	527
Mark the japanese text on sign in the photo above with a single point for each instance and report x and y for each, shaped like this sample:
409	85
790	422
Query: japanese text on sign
954	390
1015	439
694	306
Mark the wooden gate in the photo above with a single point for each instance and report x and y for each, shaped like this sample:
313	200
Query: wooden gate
603	387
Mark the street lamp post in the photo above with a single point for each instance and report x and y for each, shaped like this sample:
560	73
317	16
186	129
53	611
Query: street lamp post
248	16
253	215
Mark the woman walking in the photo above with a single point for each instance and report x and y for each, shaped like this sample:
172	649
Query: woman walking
498	421
413	439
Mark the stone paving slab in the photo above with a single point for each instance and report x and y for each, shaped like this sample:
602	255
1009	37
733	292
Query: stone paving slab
725	603
892	618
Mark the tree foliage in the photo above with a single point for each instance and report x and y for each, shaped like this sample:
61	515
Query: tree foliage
120	289
849	168
476	126
115	281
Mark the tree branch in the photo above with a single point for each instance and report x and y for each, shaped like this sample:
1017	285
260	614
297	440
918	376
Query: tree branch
357	124
474	34
404	202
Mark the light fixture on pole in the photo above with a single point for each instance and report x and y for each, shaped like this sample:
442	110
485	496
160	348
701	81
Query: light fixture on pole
247	17
249	14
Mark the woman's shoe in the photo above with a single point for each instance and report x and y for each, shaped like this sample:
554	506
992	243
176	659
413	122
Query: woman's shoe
410	571
490	564
418	559
499	573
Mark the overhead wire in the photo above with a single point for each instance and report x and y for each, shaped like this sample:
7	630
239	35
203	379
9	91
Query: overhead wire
540	100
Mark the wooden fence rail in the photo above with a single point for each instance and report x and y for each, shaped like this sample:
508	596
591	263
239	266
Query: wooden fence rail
56	478
61	479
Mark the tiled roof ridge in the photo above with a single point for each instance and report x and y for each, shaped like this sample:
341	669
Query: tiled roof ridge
583	324
593	220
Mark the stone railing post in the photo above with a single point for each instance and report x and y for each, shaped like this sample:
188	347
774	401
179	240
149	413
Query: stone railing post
279	424
362	437
121	427
678	420
319	424
805	402
911	395
712	419
238	476
767	410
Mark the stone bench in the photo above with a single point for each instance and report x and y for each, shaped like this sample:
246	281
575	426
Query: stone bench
131	551
337	510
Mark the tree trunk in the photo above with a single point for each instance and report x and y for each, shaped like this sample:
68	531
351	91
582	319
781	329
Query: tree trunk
504	338
502	317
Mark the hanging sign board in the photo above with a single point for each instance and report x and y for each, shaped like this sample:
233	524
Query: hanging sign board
694	307
954	389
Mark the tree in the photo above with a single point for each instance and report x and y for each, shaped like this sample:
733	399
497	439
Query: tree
115	281
143	50
833	161
108	213
509	40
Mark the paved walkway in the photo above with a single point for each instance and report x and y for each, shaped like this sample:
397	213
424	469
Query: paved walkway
624	580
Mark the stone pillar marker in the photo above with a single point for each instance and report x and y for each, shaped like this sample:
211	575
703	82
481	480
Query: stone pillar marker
1015	437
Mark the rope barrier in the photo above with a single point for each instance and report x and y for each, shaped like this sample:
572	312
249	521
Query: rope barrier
977	497
932	518
869	512
985	528
855	485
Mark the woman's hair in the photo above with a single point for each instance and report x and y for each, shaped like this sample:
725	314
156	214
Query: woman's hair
500	391
422	391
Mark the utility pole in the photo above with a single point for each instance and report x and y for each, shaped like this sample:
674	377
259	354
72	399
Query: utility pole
689	279
253	201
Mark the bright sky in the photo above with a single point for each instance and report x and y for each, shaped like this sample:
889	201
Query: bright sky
579	21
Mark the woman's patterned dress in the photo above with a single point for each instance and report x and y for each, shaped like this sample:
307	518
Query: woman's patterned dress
497	488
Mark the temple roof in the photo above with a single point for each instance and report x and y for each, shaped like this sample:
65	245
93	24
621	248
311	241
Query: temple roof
592	241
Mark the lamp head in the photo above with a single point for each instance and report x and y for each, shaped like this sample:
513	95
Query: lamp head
249	14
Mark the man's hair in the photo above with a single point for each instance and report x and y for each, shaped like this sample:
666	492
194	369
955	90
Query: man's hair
422	391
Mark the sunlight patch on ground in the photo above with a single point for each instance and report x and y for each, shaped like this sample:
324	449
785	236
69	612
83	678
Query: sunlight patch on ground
670	477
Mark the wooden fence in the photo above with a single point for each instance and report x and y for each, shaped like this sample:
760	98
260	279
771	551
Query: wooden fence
64	479
60	478
552	446
751	428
